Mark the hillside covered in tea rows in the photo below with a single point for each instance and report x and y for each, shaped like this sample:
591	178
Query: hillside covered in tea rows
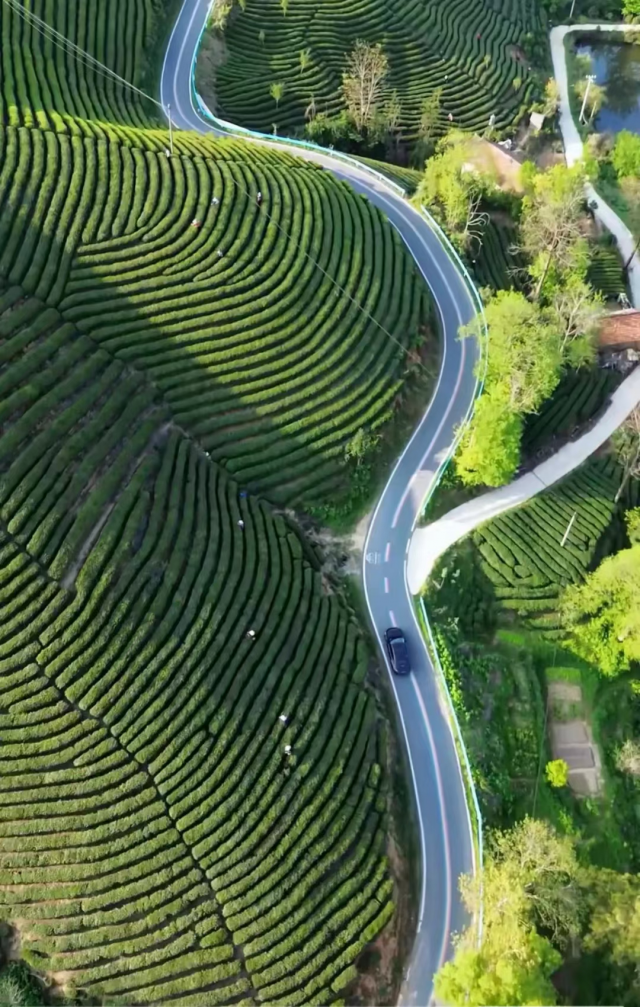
478	53
194	775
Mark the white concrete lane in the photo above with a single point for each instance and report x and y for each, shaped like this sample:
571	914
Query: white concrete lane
573	147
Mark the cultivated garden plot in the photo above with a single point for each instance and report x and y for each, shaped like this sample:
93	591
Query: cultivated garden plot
477	51
521	552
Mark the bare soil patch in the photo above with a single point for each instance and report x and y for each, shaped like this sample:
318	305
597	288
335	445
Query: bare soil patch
572	739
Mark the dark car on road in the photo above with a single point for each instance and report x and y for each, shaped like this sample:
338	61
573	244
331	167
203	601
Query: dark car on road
397	649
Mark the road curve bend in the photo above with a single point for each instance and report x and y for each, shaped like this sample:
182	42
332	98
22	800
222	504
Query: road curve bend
443	816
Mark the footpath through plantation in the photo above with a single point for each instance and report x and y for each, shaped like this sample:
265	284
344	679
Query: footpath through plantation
194	797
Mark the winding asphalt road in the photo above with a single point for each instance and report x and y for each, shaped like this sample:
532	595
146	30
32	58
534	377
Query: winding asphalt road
445	828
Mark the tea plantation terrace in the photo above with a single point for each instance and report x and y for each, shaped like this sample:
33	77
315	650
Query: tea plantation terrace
473	49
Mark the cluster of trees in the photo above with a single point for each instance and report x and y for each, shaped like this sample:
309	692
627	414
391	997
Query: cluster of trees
602	614
371	113
540	903
454	190
631	11
532	336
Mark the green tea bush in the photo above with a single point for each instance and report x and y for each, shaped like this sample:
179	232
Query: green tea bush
158	843
474	50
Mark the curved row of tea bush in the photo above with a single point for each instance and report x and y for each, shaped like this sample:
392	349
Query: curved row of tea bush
521	552
477	51
605	272
275	332
192	792
578	398
45	86
156	840
495	263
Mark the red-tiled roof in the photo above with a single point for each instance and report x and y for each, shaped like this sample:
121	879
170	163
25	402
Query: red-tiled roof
620	329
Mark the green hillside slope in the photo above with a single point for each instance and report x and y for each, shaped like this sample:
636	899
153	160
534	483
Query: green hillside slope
157	841
270	344
473	49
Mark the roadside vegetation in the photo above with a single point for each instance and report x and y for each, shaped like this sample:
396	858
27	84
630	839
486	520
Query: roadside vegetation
536	620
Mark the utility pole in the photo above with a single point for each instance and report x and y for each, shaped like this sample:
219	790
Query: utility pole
170	129
629	260
573	7
590	79
569	527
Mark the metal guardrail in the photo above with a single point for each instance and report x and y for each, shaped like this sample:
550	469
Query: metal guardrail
460	745
476	300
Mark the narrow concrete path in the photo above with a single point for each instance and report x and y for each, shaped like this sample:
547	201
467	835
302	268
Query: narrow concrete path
430	542
573	147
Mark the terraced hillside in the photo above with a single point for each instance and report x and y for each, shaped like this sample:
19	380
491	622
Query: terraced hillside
477	51
44	84
193	789
270	345
518	558
157	842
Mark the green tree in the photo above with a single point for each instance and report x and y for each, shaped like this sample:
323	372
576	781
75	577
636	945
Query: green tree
454	189
632	521
430	116
389	118
363	81
576	311
276	90
553	224
362	443
557	773
489	452
626	154
631	11
304	58
19	987
551	101
220	14
603	613
524	360
524	350
628	757
614	925
500	976
530	880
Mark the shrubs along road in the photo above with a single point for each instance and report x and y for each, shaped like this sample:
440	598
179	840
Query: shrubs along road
477	51
193	785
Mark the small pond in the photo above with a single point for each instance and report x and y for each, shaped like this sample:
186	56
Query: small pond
616	65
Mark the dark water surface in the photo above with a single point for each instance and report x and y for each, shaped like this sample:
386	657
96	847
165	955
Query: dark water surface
617	66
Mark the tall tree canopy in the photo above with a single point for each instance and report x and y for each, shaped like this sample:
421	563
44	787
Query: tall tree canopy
453	188
603	613
523	368
553	224
530	881
363	82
